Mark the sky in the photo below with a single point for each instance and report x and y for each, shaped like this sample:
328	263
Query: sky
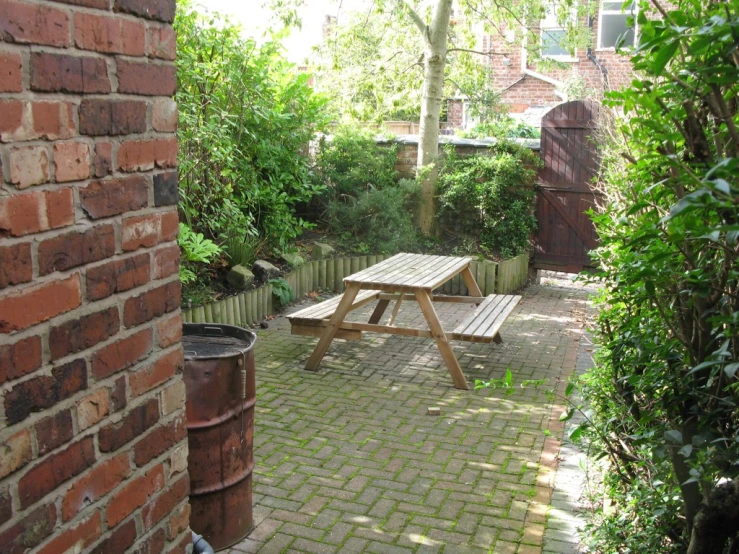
255	20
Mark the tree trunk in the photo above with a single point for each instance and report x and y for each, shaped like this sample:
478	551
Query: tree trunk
434	60
717	521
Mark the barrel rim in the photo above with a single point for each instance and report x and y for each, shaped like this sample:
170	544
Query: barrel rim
232	331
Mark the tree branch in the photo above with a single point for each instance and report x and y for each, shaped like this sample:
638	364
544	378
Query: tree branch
477	52
415	18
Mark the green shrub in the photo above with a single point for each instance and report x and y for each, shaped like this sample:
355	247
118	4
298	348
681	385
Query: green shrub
504	127
241	248
197	251
377	221
350	162
246	119
490	197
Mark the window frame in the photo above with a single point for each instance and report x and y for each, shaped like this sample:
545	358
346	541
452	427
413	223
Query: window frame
545	26
601	12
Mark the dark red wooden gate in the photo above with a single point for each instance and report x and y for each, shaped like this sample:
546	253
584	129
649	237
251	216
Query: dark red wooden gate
566	233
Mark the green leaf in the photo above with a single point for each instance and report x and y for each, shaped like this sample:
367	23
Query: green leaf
567	414
731	369
570	387
674	436
663	56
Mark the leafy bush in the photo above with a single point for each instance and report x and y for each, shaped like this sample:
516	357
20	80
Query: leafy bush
491	197
377	221
281	291
196	251
665	388
241	248
351	162
246	119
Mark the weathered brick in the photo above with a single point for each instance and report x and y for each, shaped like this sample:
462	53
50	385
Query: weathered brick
16	451
20	358
11	124
6	506
109	34
30	531
134	495
112	117
95	484
114	196
166	189
154	303
83	332
159	440
33	212
71	161
11	72
179	521
170	226
99	4
117	276
157	373
173	397
53	431
93	408
121	354
143	155
103	162
146	79
29	165
160	10
134	423
166	261
162	42
53	120
33	24
118	398
119	542
154	544
156	510
74	249
16	266
76	538
54	470
169	330
64	73
44	391
31	305
142	231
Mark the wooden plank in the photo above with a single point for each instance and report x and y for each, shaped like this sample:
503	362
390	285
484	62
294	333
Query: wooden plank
442	342
324	310
568	218
330	275
469	280
316	280
314	331
333	326
322	274
354	265
491	274
396	309
379	311
488	318
404	331
567	124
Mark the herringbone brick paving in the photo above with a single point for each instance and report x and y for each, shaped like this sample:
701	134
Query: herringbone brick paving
348	461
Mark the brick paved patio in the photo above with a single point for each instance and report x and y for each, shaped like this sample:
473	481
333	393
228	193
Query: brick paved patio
347	459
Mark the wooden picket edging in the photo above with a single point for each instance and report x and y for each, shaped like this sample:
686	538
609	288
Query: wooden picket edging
250	307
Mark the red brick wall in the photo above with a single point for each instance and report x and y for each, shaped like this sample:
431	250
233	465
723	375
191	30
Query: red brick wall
93	451
521	91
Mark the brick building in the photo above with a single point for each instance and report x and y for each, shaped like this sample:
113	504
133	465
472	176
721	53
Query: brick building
93	448
523	86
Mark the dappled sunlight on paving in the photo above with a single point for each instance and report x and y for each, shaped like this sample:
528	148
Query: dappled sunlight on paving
349	460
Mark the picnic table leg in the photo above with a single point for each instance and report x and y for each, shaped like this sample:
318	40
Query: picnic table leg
333	326
379	310
472	288
497	338
424	302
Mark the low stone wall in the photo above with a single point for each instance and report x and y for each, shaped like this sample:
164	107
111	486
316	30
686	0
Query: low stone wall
251	307
408	149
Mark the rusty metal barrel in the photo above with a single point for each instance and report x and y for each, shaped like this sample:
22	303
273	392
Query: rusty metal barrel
221	394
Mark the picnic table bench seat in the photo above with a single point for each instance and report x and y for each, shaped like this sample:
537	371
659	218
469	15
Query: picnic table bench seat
311	320
483	324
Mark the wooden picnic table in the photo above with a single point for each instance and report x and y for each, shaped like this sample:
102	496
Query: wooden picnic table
399	278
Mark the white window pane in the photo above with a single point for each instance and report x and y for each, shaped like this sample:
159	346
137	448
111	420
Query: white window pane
551	42
612	27
609	5
550	18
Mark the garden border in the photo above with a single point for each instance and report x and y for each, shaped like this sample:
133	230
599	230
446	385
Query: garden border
251	307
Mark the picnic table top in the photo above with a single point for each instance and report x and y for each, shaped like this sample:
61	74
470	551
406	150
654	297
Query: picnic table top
409	272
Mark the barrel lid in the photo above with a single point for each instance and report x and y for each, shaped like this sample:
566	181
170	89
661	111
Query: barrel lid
201	341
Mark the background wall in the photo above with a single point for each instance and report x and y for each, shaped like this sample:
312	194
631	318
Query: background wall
93	451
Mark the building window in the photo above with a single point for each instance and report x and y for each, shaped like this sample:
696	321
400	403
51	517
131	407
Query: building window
553	36
615	26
